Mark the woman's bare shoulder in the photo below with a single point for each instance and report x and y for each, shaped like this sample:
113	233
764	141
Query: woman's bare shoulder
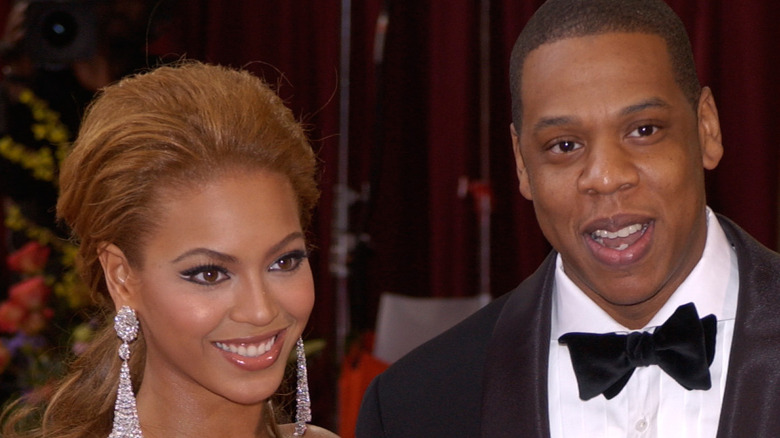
318	432
311	431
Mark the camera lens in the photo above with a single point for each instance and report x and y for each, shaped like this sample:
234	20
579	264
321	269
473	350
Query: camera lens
60	31
59	28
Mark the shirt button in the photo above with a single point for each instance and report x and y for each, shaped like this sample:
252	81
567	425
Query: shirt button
641	425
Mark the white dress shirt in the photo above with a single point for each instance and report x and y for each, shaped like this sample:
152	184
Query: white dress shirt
652	404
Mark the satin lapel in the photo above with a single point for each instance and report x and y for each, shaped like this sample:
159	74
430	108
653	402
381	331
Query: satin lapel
751	401
514	400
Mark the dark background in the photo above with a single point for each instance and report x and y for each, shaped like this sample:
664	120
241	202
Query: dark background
414	133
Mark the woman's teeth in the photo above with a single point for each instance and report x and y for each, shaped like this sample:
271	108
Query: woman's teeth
251	350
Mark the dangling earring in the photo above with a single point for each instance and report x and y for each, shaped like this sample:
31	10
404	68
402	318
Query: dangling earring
303	402
126	423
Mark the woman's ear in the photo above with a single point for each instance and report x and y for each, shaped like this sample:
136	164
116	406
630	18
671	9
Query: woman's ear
117	272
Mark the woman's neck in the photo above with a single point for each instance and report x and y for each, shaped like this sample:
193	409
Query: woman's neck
175	412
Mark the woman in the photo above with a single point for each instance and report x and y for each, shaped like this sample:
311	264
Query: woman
189	189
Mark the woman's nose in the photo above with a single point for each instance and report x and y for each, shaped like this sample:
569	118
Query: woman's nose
255	304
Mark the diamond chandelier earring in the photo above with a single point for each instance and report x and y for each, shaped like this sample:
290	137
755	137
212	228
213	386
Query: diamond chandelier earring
126	423
302	399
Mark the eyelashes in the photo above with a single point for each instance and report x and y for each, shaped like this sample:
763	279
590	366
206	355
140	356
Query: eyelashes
289	262
212	274
206	275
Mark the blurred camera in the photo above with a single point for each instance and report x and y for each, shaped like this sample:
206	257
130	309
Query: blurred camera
60	32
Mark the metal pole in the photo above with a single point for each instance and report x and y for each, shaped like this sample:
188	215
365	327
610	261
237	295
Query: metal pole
484	145
342	240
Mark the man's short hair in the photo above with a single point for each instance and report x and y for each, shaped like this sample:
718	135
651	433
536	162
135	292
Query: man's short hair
560	19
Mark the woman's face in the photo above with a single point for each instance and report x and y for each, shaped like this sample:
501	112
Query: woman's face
225	289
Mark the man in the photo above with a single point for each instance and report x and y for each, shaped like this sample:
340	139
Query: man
611	133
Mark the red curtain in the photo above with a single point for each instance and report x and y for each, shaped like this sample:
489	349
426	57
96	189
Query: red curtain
414	128
414	132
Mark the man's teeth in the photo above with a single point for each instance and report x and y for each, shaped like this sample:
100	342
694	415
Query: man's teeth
251	350
600	235
623	232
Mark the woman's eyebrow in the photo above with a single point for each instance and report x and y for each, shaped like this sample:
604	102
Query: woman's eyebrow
207	252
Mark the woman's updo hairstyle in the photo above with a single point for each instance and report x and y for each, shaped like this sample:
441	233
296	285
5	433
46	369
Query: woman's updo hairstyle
176	127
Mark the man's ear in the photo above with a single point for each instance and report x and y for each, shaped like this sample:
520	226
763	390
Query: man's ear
709	130
117	271
522	173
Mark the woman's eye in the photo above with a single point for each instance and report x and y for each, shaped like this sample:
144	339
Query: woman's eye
564	147
288	262
644	131
206	275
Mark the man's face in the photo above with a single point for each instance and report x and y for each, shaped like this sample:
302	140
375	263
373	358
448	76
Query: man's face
612	153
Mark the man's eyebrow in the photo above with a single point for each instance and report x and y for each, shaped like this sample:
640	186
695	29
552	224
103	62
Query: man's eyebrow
653	102
551	122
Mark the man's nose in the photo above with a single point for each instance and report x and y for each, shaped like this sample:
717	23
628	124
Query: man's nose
609	167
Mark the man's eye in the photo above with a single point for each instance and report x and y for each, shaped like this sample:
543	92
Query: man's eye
564	147
206	275
288	262
644	131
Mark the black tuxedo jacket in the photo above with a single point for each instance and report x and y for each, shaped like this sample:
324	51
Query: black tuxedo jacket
487	376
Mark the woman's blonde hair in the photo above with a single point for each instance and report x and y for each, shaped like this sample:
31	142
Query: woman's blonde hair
175	127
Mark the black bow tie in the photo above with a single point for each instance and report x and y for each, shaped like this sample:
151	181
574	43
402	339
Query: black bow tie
683	347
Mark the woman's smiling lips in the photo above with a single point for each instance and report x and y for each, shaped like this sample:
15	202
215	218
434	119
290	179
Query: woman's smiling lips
620	240
253	354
